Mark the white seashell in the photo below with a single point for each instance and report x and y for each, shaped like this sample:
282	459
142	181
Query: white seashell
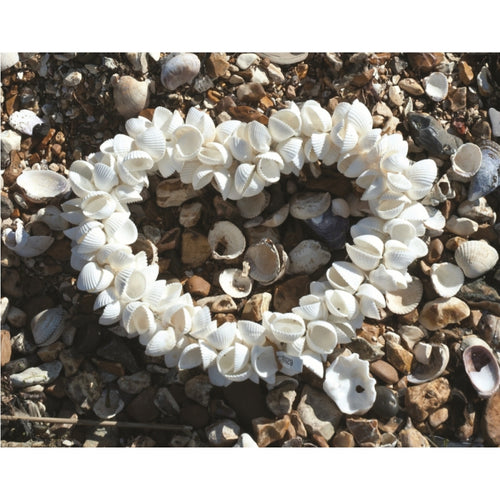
202	122
389	205
476	258
291	151
98	205
315	119
48	325
432	362
252	206
152	142
398	256
307	257
137	161
127	194
109	404
287	327
277	218
465	162
321	336
436	221
52	217
240	147
188	141
345	276
284	124
213	154
167	121
24	121
80	176
172	358
415	212
252	333
369	225
136	126
259	137
130	95
162	342
346	332
387	280
8	59
482	369
120	229
138	319
226	241
313	361
223	336
462	226
422	175
179	69
235	283
269	166
93	278
91	241
131	284
23	244
40	186
104	177
366	251
208	354
234	362
268	261
349	384
264	364
342	305
371	301
405	300
190	357
436	86
311	307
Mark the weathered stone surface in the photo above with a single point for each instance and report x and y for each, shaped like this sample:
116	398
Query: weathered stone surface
411	86
268	431
135	383
288	293
245	441
365	431
195	415
84	389
255	306
43	374
217	64
441	312
142	407
223	433
195	248
343	439
281	399
492	418
398	357
384	371
6	351
198	389
368	351
423	399
318	412
410	437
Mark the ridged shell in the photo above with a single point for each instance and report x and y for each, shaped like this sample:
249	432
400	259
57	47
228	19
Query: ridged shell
104	177
482	369
252	333
287	327
398	256
315	118
48	325
188	142
202	121
269	166
23	244
39	186
190	357
387	280
223	336
234	362
226	241
91	242
476	258
240	148
152	142
431	365
137	161
389	205
252	206
321	336
259	137
120	229
137	318
369	225
366	251
167	121
405	300
137	125
132	284
235	283
371	301
263	361
179	69
341	304
80	176
98	205
93	278
284	124
268	261
311	307
162	342
213	154
345	276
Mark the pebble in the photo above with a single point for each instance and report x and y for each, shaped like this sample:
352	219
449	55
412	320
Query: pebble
190	214
461	226
442	312
197	286
465	73
245	441
436	249
411	86
109	404
423	399
7	207
479	294
318	412
11	284
10	141
71	361
223	433
217	64
6	349
142	407
458	99
438	417
280	400
102	437
202	83
198	389
250	92
410	437
43	374
288	293
386	403
50	352
365	431
398	357
259	76
396	96
73	79
218	303
268	431
343	439
384	371
368	351
138	61
424	61
492	418
165	402
84	389
495	121
255	307
275	74
24	120
195	249
135	383
244	61
173	193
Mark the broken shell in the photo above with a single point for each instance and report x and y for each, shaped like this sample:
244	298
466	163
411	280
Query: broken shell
462	226
308	205
345	276
447	279
52	216
476	257
268	261
436	86
130	95
24	244
40	186
407	299
277	218
236	282
432	362
482	369
466	162
264	363
226	241
252	206
48	325
349	384
179	69
307	257
371	301
487	178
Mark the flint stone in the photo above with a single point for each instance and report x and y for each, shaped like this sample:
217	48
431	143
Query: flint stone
223	433
268	431
492	418
318	412
398	357
280	400
365	431
84	390
44	374
198	389
441	312
423	399
135	383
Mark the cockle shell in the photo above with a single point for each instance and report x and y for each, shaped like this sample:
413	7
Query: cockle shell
315	119
138	319
234	362
436	86
252	333
94	278
52	217
345	276
432	362
447	279
371	300
307	257
162	342
349	384
252	206
226	241
285	123
268	261
421	175
321	336
179	69
40	186
482	369
286	327
476	257
387	280
311	307
264	364
341	304
132	284
235	283
48	325
462	226
223	336
466	162
24	244
130	95
120	229
366	251
406	299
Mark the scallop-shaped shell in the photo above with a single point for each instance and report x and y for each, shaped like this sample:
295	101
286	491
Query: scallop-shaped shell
259	137
162	342
436	86
406	299
349	384
315	118
264	364
269	166
98	205
167	121
223	336
48	325
132	284
321	336
431	364
422	175
91	241
287	327
39	186
252	333
188	141
389	205
284	124
94	278
235	283
226	241
369	225
466	162
137	318
179	69
398	256
137	161
311	307
137	125
131	96
308	205
202	121
371	300
482	369
366	251
234	362
345	276
213	154
153	142
120	229
80	177
104	177
387	280
342	305
23	244
190	357
476	257
268	261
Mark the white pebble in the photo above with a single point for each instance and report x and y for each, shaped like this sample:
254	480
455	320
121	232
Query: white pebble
72	79
23	121
244	61
11	141
495	121
275	73
258	76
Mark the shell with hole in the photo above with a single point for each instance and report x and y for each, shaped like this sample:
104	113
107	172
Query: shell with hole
268	261
226	241
482	369
349	384
22	243
236	282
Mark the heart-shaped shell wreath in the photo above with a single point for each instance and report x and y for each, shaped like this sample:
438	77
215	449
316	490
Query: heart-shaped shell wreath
239	160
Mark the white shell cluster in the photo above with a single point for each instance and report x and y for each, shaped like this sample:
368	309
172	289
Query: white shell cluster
239	160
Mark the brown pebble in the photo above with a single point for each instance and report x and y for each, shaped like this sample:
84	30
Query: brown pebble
142	407
492	418
288	293
250	92
453	243
217	64
436	248
438	417
423	399
441	312
247	114
296	421
50	352
365	431
411	86
465	73
425	61
398	357
319	440
267	431
195	249
384	371
197	286
256	306
112	367
343	439
412	438
6	349
195	415
409	318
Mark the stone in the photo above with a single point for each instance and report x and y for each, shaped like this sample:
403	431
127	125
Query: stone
382	109
197	286
166	403
424	62
109	404
218	304
280	400
50	352
368	351
365	431
102	437
436	249
135	383
4	308
259	76
73	79
458	98
442	312
343	439
318	412
411	86
223	433
244	61
245	441
438	417
410	437
386	403
194	415
43	374
117	350
287	294
195	249
384	371
298	425
11	284
6	349
84	389
255	306
396	96
495	121
423	399
198	389
275	74
250	92
398	357
465	73
71	361
142	407
268	431
190	214
491	419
